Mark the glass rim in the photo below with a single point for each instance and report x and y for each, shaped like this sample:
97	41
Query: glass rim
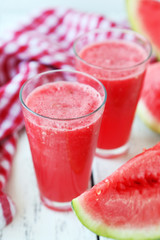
113	29
61	119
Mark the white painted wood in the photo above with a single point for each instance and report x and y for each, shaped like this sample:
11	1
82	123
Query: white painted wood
34	221
18	8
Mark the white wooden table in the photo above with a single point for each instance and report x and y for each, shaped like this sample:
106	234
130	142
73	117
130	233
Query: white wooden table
33	221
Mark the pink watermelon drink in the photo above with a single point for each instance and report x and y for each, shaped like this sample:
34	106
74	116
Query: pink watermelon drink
120	65
62	119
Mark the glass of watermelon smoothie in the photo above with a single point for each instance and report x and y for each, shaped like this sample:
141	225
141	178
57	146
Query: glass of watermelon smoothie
118	58
62	112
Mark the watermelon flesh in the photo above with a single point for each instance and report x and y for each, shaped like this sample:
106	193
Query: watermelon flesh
144	16
125	205
149	105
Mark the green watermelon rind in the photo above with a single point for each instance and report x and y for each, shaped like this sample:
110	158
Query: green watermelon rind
147	117
136	22
101	229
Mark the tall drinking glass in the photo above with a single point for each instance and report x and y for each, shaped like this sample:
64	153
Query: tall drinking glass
118	58
62	112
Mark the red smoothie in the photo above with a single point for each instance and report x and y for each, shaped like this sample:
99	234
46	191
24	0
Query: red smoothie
63	150
111	62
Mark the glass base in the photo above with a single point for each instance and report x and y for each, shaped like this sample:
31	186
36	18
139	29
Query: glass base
112	153
56	206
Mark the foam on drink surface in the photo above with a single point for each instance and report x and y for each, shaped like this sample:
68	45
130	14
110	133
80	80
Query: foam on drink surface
63	100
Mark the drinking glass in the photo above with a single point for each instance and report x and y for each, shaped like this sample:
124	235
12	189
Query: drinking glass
62	111
118	58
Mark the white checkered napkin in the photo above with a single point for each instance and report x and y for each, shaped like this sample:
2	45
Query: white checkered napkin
43	43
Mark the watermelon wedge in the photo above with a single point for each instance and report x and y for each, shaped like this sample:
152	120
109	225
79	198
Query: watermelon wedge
125	205
144	16
149	104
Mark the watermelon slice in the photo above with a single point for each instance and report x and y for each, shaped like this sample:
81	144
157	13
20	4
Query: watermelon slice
125	205
144	16
149	105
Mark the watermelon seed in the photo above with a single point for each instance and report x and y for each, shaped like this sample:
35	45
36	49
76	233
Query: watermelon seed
98	192
107	182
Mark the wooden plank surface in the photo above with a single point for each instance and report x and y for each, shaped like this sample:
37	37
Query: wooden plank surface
34	221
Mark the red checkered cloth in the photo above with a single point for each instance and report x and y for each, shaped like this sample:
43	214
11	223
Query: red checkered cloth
43	43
